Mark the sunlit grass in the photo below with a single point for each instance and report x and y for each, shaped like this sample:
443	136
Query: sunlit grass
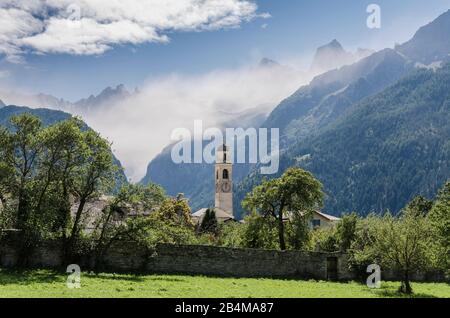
45	283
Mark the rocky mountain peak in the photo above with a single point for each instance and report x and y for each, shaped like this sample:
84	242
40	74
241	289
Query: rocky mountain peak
330	56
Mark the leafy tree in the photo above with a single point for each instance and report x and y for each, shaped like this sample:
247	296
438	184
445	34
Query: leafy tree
159	231
296	192
439	217
298	232
175	211
92	177
21	149
19	155
324	240
259	232
346	231
42	168
114	224
401	244
361	250
62	142
420	205
231	234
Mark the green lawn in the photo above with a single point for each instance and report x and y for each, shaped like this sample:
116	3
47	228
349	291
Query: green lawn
45	283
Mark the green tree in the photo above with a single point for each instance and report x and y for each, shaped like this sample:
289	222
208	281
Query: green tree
115	225
259	232
324	240
41	169
62	142
401	244
19	155
231	234
346	231
439	217
420	205
93	176
296	192
298	231
175	211
209	223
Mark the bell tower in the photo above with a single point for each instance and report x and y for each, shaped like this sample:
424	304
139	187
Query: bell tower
224	179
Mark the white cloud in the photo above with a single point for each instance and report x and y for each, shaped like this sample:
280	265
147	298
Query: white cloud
88	27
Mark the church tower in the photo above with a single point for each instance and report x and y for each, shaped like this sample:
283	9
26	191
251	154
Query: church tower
224	180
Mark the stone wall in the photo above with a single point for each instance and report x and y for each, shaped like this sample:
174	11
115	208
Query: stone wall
205	260
211	260
187	259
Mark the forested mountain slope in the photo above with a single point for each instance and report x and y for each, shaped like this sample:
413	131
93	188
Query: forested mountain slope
387	149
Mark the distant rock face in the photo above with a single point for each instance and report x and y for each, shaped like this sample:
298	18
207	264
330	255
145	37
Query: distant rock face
330	56
2	104
108	95
333	55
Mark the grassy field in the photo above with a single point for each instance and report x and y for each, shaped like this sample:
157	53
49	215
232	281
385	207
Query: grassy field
44	283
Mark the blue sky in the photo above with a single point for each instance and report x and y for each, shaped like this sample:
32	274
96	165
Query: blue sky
294	29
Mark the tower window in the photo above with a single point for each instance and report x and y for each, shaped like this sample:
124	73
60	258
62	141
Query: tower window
224	157
217	175
225	174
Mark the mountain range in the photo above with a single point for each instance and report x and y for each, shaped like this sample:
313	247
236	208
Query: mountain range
94	102
373	127
350	127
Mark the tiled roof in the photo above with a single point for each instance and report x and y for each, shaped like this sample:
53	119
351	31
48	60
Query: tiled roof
220	214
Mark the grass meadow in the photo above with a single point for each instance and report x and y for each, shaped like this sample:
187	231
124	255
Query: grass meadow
51	284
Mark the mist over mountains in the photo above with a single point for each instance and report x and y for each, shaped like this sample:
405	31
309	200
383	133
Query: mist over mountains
108	96
140	123
310	116
360	121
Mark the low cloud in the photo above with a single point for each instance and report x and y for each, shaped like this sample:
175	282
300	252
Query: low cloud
92	27
141	126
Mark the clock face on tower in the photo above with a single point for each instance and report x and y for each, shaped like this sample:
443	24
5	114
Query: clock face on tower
226	187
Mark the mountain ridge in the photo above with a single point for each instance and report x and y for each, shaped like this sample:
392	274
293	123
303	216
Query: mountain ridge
316	107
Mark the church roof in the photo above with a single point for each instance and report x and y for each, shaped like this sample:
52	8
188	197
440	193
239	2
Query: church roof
327	216
220	214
